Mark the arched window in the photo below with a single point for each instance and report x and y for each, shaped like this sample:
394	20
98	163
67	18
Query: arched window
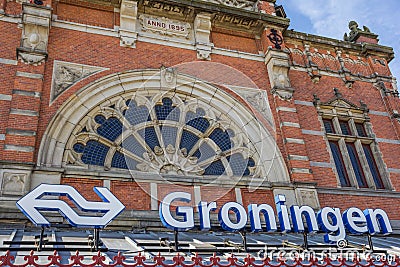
168	134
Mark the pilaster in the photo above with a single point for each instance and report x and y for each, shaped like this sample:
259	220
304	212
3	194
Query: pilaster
277	62
202	30
128	17
23	118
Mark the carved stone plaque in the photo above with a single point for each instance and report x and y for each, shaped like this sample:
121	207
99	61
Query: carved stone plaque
165	26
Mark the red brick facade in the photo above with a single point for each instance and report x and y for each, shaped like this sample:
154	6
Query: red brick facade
88	33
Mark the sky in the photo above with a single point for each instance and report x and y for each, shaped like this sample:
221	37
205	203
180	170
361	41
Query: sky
330	18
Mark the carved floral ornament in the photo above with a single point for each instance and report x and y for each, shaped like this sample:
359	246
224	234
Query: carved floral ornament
165	134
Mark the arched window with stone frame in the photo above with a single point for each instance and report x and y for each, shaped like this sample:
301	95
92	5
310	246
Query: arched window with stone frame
134	124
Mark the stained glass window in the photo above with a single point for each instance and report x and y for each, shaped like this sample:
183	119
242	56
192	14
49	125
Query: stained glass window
154	139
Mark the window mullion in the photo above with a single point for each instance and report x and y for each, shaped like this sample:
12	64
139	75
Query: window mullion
353	127
381	166
364	164
336	125
347	162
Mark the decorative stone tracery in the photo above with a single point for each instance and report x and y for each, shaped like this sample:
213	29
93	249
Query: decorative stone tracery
161	133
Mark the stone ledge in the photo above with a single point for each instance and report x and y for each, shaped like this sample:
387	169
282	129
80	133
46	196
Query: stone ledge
312	132
358	192
321	164
8	61
24	112
25	93
19	132
5	97
29	75
19	148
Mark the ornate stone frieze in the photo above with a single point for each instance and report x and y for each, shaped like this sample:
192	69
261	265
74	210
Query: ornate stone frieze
202	29
235	21
66	74
167	8
35	33
165	26
242	4
312	68
127	29
277	62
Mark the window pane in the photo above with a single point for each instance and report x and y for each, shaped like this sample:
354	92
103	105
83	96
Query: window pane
361	130
344	126
373	167
341	169
328	124
355	161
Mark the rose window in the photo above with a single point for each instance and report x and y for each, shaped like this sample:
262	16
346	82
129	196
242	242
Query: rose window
162	134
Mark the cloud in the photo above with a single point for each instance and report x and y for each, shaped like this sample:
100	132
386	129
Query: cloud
331	17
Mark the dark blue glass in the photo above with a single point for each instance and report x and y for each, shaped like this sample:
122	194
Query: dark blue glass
239	165
361	130
328	125
150	136
344	126
188	140
94	153
169	135
166	111
132	145
222	139
373	167
135	114
118	161
204	152
215	168
355	161
196	121
110	128
341	169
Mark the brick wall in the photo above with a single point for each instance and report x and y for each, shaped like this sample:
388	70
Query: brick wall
84	47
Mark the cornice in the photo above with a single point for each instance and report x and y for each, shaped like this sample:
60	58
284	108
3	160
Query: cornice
362	48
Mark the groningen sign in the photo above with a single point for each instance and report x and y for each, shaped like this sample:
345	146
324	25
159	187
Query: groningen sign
329	220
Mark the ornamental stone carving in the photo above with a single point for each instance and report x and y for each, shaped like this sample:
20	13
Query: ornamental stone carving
242	4
202	29
278	65
307	197
127	29
35	34
172	161
357	34
258	100
66	74
14	182
168	77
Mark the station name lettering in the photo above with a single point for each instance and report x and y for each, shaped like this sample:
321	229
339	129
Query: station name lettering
329	220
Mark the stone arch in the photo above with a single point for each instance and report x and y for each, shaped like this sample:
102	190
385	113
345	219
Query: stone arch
57	138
